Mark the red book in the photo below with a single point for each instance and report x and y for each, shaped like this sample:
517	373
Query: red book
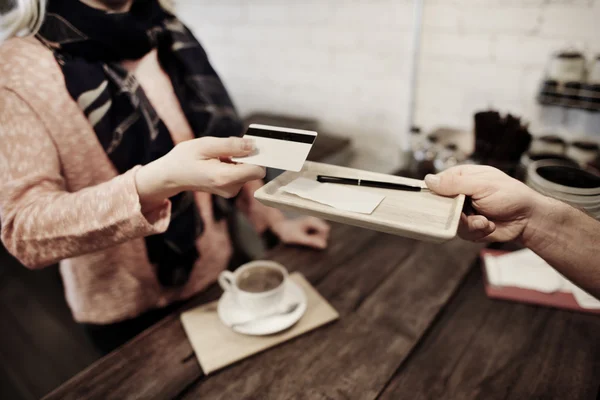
563	300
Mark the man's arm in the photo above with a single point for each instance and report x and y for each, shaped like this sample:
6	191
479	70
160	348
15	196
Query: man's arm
569	240
507	209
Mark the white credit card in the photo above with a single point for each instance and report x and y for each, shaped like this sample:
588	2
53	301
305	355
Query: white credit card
277	147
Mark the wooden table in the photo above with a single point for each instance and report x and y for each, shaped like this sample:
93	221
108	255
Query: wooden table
415	324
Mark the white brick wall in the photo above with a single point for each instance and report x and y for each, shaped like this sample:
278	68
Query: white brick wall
520	35
347	62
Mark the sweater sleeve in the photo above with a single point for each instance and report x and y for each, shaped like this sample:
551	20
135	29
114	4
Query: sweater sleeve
42	222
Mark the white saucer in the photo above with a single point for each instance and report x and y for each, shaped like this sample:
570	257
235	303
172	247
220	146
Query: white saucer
230	313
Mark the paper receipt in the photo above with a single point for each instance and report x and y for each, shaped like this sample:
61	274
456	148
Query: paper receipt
523	269
336	196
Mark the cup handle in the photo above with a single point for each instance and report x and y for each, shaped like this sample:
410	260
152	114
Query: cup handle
226	280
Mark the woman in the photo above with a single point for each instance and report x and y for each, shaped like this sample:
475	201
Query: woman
115	143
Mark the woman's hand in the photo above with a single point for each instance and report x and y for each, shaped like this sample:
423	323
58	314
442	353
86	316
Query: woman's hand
311	232
202	165
504	205
305	231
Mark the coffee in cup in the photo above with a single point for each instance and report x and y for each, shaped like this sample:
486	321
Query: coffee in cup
257	287
259	279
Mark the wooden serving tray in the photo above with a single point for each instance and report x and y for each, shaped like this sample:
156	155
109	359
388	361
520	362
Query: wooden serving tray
418	215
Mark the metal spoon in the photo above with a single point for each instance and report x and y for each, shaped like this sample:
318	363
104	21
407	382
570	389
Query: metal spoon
287	310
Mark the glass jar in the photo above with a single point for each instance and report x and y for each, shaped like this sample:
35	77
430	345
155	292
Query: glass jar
548	144
447	157
424	156
415	138
583	152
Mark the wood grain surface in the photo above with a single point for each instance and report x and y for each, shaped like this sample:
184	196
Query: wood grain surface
410	327
489	349
217	346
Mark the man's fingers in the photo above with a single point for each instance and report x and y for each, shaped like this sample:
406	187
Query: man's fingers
451	183
464	179
475	227
505	231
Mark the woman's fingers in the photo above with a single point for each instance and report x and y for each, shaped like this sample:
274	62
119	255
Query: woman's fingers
242	173
230	175
307	231
212	147
316	224
315	241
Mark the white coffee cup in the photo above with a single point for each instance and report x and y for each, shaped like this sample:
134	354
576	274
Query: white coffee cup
255	302
568	66
594	74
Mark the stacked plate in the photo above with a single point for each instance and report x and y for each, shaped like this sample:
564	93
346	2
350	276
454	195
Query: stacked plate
566	182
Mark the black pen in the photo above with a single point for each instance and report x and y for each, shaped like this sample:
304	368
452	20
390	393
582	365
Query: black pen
364	182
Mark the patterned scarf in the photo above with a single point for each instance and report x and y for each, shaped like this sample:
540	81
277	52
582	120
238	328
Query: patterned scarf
89	44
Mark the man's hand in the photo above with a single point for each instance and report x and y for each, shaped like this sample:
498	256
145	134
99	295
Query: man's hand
504	205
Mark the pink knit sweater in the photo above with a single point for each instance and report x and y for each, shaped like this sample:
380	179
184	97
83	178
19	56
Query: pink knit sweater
61	199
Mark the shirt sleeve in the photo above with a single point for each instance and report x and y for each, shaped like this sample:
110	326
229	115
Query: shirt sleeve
42	222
